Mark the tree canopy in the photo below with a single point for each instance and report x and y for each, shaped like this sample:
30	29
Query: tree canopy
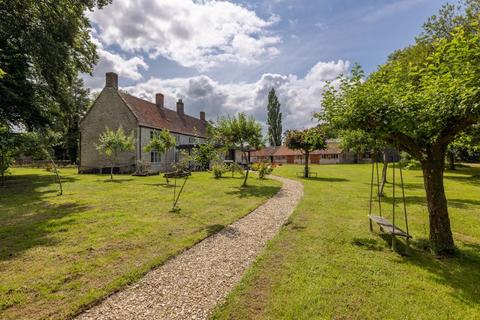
307	140
45	44
161	141
112	142
241	133
419	101
274	120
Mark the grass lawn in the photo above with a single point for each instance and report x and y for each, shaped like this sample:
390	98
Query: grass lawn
60	253
325	263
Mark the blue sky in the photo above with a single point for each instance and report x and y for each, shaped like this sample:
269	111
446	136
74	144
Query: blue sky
224	56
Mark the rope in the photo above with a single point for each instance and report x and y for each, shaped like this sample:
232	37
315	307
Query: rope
404	200
378	193
393	200
371	185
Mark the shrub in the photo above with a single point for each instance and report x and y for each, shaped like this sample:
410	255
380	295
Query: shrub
235	168
264	168
218	170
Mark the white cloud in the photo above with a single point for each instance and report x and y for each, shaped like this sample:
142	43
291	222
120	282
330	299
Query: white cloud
300	97
200	34
108	61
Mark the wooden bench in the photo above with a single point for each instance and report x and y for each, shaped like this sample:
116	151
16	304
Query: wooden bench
388	227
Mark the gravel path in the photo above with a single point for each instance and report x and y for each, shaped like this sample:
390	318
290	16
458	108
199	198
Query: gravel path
190	285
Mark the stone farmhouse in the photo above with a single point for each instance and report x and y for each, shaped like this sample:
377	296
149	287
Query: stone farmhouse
114	108
331	155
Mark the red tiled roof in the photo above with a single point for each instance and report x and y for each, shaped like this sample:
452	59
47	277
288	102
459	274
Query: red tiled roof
265	152
149	115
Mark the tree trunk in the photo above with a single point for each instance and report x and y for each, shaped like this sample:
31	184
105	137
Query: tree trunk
3	179
111	172
305	172
246	177
441	238
248	169
384	173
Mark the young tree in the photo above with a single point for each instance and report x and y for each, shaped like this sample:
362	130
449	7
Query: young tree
40	144
242	133
307	141
9	146
161	141
204	154
274	120
420	100
111	143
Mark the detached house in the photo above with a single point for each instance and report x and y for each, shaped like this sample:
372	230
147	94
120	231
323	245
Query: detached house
114	108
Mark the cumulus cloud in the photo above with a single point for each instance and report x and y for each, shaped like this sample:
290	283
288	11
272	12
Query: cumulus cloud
200	34
299	97
108	61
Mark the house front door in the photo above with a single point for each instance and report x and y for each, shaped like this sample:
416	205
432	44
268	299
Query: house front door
290	159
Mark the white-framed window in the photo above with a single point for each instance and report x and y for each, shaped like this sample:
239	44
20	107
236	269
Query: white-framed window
154	157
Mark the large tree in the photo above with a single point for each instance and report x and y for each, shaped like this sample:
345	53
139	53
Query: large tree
306	141
420	100
274	120
44	45
241	133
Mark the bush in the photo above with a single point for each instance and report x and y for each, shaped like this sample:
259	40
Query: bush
235	168
218	170
263	169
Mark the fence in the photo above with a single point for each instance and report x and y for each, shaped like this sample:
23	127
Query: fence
42	163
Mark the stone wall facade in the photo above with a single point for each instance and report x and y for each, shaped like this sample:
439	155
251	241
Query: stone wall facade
109	110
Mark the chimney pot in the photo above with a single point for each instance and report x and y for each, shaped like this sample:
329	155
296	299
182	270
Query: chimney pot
111	80
159	100
202	115
180	107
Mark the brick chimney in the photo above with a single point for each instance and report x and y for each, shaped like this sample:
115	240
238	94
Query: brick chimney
202	115
180	107
159	100
111	80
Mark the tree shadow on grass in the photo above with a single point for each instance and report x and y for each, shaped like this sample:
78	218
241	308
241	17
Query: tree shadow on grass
324	179
471	179
368	244
117	180
28	218
418	200
254	191
460	272
164	185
